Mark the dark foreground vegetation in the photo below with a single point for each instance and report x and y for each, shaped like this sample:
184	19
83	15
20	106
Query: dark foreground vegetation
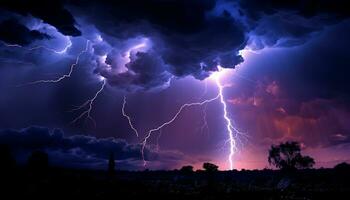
264	184
294	180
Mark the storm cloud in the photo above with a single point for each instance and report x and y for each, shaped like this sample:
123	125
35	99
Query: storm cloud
289	23
12	32
184	38
51	12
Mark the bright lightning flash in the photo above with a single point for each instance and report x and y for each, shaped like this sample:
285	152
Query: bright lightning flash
231	131
64	50
64	76
229	126
128	117
149	134
89	104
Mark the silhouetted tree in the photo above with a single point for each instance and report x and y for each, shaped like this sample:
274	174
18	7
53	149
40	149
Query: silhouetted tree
38	162
304	162
111	164
342	167
287	156
187	169
210	167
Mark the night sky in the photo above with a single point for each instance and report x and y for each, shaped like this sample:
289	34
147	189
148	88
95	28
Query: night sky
66	68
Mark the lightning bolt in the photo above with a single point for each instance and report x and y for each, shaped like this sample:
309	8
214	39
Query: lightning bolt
159	135
232	132
229	126
89	104
128	118
64	50
149	134
64	76
205	122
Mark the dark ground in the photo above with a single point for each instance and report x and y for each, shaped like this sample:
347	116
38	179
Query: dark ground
263	184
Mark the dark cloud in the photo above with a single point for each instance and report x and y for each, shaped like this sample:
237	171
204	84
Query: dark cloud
193	37
12	32
51	12
184	38
283	30
179	16
80	150
148	71
195	54
289	23
306	8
